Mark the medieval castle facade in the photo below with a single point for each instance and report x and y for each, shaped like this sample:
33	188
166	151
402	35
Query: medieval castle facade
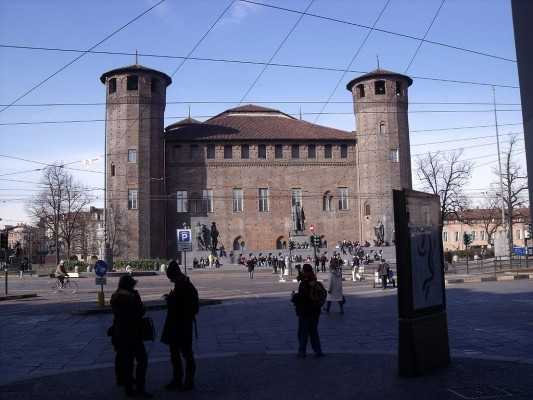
260	174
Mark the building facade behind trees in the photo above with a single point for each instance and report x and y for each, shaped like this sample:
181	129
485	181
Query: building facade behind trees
251	169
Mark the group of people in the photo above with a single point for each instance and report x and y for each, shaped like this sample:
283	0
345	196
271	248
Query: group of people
131	328
210	261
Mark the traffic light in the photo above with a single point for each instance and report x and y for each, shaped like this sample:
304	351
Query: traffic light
529	231
316	241
291	244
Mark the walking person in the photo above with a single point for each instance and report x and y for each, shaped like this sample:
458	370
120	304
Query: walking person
335	288
251	266
383	271
182	307
127	337
308	301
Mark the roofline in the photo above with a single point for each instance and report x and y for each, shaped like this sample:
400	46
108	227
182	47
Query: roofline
135	68
175	138
375	75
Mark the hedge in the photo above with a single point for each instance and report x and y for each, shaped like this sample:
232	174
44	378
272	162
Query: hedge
140	265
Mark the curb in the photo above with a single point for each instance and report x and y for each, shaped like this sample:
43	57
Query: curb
18	296
160	305
489	279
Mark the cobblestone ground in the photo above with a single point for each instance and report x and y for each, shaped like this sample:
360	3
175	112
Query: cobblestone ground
45	336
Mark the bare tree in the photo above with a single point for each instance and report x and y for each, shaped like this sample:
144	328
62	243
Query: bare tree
75	200
57	207
488	216
514	187
445	175
47	206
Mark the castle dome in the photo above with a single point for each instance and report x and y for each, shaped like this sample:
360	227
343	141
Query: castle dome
376	74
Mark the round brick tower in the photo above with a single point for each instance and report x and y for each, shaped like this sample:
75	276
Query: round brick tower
135	106
383	154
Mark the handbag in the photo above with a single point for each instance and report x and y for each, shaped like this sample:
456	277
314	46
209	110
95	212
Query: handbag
147	329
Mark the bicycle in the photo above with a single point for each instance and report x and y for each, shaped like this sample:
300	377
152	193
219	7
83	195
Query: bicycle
68	285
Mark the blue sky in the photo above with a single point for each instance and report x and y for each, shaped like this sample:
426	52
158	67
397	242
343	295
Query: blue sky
248	32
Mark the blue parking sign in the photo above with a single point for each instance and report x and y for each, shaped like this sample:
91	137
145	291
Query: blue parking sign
184	239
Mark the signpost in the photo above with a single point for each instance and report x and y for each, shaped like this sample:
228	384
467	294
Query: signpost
423	326
184	240
100	269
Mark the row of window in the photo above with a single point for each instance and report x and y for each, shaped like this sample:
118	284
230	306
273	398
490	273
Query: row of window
379	88
132	83
205	203
132	158
229	151
482	235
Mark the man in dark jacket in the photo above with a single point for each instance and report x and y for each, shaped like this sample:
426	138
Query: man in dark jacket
126	336
182	307
308	308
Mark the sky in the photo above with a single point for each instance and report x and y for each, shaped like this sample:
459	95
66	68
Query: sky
250	32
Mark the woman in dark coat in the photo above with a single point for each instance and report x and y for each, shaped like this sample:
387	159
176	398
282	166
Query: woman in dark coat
182	307
126	337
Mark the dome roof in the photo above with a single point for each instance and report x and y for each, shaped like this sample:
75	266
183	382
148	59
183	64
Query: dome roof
376	74
136	68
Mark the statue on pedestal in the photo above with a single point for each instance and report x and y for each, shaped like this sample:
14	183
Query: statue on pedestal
379	231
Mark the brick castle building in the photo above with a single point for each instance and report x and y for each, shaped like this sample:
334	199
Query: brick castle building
259	173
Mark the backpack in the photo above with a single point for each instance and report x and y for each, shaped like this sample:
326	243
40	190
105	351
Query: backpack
317	293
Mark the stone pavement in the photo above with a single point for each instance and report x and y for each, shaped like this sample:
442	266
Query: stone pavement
283	376
489	321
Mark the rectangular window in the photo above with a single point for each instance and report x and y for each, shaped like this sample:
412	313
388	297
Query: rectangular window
327	151
207	197
228	151
445	236
343	199
195	152
245	151
112	85
519	234
399	90
132	199
263	200
456	236
132	82
211	151
295	151
473	234
278	151
344	151
238	198
394	155
379	87
154	87
177	152
296	197
482	234
311	151
181	198
132	155
262	151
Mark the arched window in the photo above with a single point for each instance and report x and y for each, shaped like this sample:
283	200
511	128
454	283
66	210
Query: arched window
367	210
327	201
360	90
379	87
279	243
112	169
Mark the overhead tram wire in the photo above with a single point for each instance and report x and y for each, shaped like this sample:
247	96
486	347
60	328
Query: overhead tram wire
356	54
203	37
78	121
251	62
283	41
424	37
88	104
481	53
27	92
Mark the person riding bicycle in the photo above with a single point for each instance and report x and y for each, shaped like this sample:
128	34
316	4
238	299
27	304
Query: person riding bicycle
61	273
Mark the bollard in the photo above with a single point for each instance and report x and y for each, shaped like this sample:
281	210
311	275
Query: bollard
100	298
